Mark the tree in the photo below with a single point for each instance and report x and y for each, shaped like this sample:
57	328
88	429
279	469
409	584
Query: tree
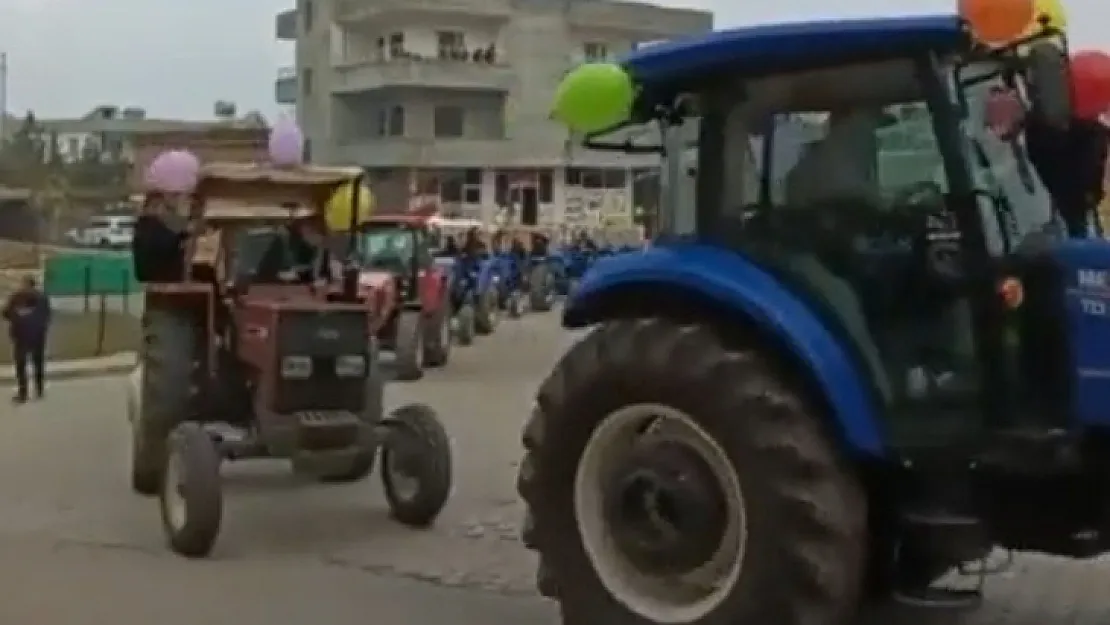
23	156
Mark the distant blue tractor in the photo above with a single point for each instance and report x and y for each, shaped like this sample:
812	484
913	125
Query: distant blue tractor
463	294
861	352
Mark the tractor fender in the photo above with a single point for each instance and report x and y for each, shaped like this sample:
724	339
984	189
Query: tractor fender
739	286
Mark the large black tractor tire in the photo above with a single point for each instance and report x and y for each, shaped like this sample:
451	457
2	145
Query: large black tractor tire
541	291
804	511
408	346
417	445
197	489
170	341
437	338
363	462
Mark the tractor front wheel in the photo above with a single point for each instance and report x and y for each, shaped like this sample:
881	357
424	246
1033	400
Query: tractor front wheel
416	465
670	478
191	497
486	312
464	324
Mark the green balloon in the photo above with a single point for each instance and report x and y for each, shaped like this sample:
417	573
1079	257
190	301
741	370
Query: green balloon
593	97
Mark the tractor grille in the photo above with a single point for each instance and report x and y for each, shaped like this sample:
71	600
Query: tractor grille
321	390
323	333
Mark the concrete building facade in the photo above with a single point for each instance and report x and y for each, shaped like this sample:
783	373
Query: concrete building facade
453	97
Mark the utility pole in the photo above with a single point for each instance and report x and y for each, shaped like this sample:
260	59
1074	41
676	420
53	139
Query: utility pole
3	94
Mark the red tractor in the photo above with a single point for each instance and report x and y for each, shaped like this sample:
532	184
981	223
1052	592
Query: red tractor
249	353
409	291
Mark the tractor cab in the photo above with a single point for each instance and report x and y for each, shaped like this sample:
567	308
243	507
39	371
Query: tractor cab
890	195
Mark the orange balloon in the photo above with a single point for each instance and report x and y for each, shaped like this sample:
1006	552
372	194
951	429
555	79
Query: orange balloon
997	21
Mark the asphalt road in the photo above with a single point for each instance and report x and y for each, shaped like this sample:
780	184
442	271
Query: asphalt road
76	547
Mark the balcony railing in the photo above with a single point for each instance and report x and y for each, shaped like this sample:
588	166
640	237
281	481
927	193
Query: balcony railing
420	72
361	10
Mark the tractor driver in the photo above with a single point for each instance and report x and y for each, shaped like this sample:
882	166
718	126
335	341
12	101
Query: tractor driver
298	254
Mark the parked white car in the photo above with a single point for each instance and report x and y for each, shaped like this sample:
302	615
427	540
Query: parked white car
104	231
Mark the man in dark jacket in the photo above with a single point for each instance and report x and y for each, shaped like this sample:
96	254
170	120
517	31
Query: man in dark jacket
299	254
28	315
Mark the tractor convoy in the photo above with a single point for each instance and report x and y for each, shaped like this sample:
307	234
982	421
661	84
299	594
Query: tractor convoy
865	352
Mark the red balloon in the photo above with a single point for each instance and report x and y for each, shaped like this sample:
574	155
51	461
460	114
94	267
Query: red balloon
1090	80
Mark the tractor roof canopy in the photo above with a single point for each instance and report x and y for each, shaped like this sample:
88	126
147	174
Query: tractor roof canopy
262	192
663	69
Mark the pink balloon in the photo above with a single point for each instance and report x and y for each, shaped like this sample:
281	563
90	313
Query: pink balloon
174	171
286	144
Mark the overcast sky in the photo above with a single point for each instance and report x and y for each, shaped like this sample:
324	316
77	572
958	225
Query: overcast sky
176	58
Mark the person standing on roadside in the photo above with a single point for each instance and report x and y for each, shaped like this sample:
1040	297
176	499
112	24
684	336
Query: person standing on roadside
28	315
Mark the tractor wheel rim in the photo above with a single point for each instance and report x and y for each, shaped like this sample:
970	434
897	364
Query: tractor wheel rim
677	598
405	485
173	492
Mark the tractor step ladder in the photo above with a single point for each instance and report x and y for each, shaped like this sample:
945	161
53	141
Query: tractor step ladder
941	524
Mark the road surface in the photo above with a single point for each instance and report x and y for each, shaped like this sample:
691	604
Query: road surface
76	547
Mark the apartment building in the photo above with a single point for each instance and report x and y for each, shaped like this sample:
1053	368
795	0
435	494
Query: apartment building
451	98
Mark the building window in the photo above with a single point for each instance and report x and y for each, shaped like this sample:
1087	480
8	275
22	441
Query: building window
451	189
451	45
448	121
306	81
501	189
546	191
614	178
596	51
306	15
382	125
396	45
593	178
397	121
472	186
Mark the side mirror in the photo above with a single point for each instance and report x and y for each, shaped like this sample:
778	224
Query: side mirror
1049	84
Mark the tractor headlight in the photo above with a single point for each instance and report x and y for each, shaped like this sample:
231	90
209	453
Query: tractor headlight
350	366
296	367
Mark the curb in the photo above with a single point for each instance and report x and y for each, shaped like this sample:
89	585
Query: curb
107	369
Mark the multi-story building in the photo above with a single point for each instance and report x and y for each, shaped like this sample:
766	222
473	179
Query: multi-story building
454	96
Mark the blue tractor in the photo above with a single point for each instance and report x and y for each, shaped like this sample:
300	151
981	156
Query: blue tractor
861	351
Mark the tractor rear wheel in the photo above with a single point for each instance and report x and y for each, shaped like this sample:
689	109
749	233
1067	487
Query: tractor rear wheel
170	348
672	479
437	338
407	346
541	293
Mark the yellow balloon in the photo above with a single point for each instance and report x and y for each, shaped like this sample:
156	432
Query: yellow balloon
1050	10
337	212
